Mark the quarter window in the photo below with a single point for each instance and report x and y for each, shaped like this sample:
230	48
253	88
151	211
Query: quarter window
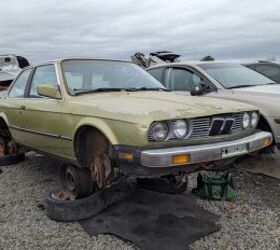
181	79
43	75
19	86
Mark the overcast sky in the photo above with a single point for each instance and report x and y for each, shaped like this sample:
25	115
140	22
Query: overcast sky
225	29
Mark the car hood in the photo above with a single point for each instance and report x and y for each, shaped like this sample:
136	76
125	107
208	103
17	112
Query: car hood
146	106
266	90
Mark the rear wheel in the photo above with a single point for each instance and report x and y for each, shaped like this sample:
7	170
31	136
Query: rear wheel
9	153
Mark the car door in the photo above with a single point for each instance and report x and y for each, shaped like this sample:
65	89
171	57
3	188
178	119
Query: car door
14	104
185	79
41	116
181	79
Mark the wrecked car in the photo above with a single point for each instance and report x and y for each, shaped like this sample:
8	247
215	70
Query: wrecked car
101	117
229	81
10	66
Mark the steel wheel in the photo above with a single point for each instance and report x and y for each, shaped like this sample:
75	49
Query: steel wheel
77	181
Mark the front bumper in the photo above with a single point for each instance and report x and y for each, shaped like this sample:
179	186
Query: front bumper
206	152
145	161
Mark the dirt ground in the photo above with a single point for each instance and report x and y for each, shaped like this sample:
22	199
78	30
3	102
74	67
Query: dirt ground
251	222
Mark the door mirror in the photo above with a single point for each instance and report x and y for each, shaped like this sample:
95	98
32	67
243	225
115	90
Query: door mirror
48	90
197	90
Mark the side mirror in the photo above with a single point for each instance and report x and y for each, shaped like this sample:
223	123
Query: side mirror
48	90
197	90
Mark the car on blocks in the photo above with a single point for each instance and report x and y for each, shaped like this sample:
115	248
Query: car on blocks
98	116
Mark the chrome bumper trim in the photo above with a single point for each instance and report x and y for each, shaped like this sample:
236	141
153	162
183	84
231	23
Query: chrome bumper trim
203	153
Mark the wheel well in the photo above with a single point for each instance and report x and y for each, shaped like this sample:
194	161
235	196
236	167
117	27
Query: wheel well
4	130
80	142
264	125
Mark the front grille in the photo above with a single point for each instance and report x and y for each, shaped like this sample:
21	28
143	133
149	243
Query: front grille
221	126
238	124
201	127
212	126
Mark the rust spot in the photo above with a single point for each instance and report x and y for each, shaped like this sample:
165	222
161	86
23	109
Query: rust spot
98	159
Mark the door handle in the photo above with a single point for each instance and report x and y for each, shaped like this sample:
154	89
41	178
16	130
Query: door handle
22	107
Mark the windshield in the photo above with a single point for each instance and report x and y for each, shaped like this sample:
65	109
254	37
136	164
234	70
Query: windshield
84	76
234	75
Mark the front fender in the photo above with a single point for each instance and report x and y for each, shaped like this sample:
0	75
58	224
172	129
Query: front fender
99	124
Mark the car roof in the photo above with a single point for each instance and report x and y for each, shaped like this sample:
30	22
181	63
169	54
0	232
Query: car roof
78	58
191	63
262	63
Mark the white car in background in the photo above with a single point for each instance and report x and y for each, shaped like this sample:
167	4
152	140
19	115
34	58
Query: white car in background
228	81
10	66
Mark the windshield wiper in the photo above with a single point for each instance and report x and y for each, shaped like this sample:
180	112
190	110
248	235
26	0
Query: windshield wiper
149	89
241	86
86	91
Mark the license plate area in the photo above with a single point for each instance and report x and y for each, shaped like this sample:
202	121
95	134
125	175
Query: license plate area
234	150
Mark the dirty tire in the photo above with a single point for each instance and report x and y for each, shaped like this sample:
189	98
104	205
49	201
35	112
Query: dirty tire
161	185
6	160
74	210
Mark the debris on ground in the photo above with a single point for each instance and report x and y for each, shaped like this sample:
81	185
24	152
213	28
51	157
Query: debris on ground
151	221
266	164
24	225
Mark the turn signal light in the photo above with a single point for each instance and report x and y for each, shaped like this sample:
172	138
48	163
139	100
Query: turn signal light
126	156
180	159
266	142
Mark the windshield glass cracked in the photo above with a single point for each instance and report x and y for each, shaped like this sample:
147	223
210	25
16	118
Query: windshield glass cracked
83	76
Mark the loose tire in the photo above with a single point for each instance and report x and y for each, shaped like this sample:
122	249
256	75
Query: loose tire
74	210
8	153
7	160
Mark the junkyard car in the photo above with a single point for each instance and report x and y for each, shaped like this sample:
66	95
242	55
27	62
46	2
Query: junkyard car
270	69
10	66
228	81
100	115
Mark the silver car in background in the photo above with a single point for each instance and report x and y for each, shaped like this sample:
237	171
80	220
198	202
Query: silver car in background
228	81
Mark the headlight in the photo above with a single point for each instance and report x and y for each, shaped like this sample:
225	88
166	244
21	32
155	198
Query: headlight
180	128
254	119
246	120
158	131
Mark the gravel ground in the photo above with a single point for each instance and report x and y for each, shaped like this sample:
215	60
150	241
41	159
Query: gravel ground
252	222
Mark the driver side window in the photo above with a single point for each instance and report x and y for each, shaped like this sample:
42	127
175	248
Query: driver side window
19	86
43	75
182	79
